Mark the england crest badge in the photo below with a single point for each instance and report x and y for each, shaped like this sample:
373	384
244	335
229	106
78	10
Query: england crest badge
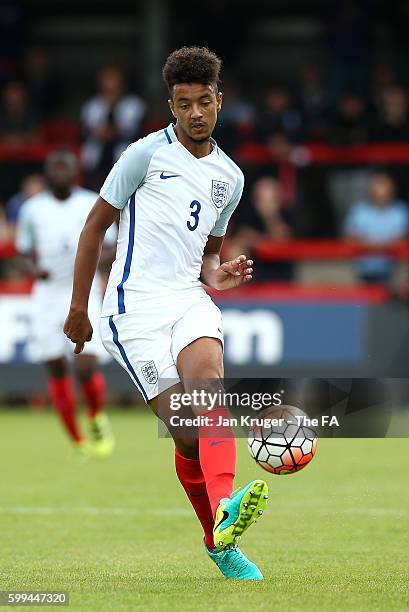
150	372
220	192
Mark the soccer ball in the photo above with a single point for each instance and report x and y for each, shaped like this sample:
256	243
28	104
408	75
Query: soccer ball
282	448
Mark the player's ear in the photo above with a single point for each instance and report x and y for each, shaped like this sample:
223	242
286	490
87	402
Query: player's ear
172	107
219	98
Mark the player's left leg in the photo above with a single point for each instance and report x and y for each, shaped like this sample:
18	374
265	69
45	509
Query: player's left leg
93	389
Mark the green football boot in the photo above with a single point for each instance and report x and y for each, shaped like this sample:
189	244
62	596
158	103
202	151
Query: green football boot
236	513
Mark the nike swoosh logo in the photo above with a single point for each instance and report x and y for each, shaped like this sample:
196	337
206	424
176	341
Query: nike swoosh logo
225	516
219	442
166	176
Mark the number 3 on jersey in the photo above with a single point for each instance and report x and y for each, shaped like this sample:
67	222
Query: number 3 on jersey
195	207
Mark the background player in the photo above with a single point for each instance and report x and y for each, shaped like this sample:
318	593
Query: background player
47	235
177	191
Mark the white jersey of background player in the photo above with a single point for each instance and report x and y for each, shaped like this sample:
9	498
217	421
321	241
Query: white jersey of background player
50	229
48	232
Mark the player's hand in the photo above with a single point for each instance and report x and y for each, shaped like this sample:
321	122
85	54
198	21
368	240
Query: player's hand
78	329
233	273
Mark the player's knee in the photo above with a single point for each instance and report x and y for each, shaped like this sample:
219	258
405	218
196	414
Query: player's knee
209	380
206	371
206	394
187	447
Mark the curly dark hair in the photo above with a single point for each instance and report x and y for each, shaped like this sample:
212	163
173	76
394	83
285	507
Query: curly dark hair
192	65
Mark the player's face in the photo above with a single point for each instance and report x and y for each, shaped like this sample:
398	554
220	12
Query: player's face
61	175
195	108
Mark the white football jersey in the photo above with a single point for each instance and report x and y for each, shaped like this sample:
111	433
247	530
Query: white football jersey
170	203
51	229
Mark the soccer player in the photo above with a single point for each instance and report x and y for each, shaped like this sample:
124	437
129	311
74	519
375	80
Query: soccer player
176	191
47	236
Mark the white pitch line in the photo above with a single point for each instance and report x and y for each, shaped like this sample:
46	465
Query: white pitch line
43	511
123	511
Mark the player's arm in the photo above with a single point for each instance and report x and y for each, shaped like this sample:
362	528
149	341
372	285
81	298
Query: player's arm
77	325
227	275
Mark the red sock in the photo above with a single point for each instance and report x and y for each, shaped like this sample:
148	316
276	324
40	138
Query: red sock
192	480
217	450
94	391
62	397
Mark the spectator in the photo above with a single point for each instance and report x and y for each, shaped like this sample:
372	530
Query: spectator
30	186
44	89
111	120
313	98
350	125
279	117
380	220
393	122
18	125
383	79
264	219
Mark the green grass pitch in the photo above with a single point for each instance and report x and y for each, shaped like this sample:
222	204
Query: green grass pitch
120	534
